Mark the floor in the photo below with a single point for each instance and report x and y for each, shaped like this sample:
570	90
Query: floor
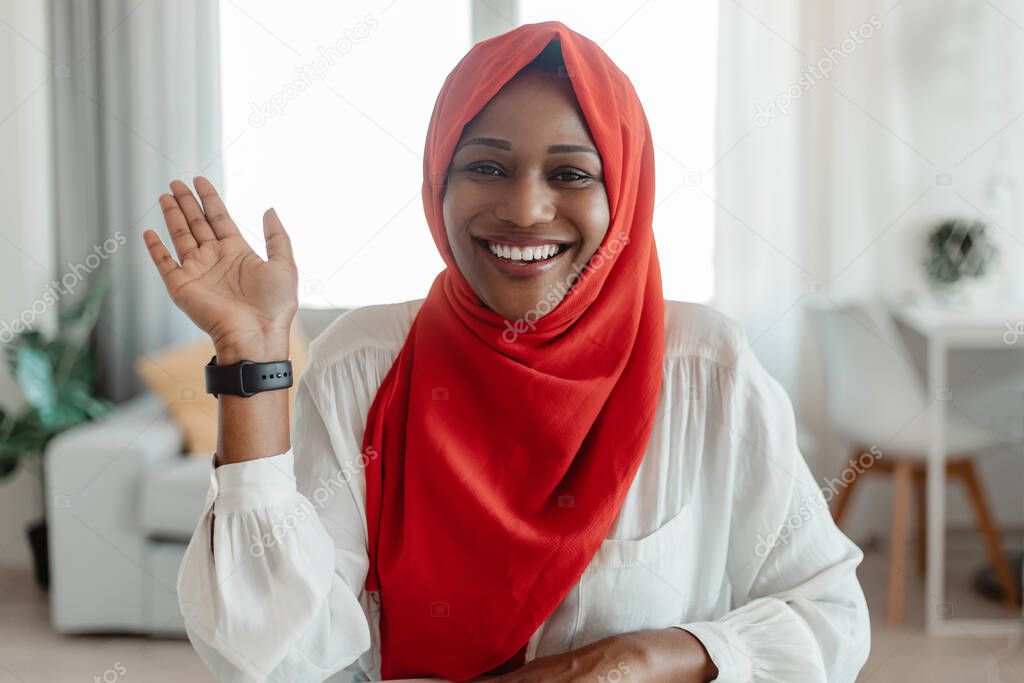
31	653
906	654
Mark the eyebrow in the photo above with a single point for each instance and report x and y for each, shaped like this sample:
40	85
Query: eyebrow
506	145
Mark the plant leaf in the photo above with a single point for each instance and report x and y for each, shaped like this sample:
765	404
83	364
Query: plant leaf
77	394
35	375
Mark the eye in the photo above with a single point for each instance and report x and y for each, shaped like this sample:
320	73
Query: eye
571	175
484	169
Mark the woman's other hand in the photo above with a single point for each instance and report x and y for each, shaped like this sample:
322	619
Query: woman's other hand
653	656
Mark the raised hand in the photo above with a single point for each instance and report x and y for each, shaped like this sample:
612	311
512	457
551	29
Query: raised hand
244	303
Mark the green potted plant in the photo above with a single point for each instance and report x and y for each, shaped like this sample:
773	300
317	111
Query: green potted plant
56	377
957	250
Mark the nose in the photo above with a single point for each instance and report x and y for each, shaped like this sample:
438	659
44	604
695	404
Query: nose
527	201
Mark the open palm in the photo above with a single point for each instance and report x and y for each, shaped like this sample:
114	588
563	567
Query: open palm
225	287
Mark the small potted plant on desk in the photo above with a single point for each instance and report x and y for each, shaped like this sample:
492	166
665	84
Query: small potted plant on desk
957	252
56	376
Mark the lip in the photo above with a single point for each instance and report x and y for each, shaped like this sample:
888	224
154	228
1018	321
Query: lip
523	240
522	270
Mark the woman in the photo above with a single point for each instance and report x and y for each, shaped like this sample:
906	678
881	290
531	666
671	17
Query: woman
543	471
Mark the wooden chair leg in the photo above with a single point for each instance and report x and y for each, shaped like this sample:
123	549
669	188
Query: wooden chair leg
921	494
902	482
993	541
843	499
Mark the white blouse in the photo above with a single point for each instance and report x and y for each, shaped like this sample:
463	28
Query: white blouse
724	531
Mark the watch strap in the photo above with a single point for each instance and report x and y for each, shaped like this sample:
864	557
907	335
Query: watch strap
247	377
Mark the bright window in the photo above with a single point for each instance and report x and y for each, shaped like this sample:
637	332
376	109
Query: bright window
340	159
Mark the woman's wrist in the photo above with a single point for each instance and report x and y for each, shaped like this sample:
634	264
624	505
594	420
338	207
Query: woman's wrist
264	349
675	654
255	426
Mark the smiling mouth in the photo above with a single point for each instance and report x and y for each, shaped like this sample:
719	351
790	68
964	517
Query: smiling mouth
523	261
526	255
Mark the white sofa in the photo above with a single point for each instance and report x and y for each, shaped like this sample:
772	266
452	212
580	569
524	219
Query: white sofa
122	502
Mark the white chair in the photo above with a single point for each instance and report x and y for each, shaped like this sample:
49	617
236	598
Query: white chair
877	399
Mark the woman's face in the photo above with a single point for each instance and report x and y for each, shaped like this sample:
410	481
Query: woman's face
526	180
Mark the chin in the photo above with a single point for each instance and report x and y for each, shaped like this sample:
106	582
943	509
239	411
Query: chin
535	301
509	310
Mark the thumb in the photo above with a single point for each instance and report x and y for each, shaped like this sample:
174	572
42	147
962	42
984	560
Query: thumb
279	245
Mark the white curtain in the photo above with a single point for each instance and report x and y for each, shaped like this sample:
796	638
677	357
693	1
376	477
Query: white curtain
136	104
802	195
761	271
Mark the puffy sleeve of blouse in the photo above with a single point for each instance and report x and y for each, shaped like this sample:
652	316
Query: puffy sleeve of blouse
271	582
798	612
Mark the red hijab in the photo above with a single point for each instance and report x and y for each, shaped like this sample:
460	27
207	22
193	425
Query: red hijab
505	458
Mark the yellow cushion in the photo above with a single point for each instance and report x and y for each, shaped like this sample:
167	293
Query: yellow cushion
177	375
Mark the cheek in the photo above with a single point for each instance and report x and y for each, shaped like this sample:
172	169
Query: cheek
447	216
593	217
458	207
454	219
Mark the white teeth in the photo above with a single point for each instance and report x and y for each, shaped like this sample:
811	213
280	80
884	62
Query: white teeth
514	253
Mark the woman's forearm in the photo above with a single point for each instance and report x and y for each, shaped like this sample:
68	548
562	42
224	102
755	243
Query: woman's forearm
255	426
674	654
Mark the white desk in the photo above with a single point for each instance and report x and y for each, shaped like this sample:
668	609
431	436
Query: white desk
945	330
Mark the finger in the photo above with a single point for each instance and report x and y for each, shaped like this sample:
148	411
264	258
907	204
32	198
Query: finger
216	213
194	215
182	238
169	270
279	245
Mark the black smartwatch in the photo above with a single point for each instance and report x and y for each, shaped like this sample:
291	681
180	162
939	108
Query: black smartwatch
247	377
